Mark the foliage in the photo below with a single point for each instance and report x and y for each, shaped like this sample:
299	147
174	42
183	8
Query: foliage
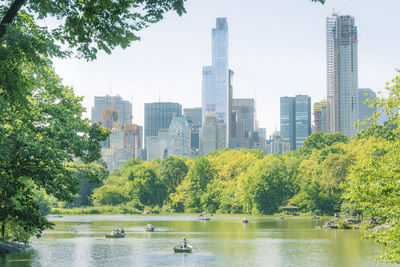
320	140
172	171
374	181
377	131
90	176
268	185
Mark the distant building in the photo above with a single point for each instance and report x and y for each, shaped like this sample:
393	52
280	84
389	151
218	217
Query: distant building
276	144
116	103
303	118
295	120
159	116
217	79
174	141
125	140
364	109
342	74
320	120
124	144
288	121
213	134
244	114
194	118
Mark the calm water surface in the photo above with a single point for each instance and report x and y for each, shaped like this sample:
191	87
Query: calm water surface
222	241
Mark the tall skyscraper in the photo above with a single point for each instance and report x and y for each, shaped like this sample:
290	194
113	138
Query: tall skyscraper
288	130
217	79
303	118
342	74
364	110
158	116
295	120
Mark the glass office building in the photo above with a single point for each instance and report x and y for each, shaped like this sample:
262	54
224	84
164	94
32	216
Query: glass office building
295	120
288	130
159	116
303	118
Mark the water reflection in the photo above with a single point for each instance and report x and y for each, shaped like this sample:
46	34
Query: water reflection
222	241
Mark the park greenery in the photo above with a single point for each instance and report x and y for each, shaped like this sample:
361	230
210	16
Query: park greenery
49	154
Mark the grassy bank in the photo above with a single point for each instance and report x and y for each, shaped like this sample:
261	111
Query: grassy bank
108	210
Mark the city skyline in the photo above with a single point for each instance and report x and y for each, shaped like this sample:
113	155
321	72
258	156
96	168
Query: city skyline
260	65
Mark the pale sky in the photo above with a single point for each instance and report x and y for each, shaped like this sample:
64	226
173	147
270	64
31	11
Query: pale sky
276	48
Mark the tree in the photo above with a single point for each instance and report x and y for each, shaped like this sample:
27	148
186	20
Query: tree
374	182
189	192
172	171
37	141
268	184
90	176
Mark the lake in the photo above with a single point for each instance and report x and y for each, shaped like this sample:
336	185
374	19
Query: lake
222	241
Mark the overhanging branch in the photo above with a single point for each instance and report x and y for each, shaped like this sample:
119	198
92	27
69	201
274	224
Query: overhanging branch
10	15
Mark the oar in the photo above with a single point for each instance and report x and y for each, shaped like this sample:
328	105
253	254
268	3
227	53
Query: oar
194	247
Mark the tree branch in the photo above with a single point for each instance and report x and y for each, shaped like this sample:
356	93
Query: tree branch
10	15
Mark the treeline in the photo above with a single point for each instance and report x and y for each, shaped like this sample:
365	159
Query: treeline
313	178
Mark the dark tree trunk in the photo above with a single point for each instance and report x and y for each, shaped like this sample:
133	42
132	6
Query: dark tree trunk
10	15
3	230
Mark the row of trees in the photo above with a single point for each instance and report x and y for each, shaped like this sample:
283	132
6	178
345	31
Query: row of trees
229	181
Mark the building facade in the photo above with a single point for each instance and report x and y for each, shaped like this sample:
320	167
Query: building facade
364	109
217	79
173	141
295	120
287	116
276	145
303	118
342	74
123	108
194	118
320	116
159	116
213	134
244	114
124	144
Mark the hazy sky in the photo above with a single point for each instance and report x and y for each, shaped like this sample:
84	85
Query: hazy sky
276	48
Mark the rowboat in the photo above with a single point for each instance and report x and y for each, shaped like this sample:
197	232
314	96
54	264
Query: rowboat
203	218
181	249
245	220
116	235
149	229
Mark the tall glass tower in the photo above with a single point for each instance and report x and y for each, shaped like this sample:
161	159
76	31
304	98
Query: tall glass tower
217	89
295	120
342	74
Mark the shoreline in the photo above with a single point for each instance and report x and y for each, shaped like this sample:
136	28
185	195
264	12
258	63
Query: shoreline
10	247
